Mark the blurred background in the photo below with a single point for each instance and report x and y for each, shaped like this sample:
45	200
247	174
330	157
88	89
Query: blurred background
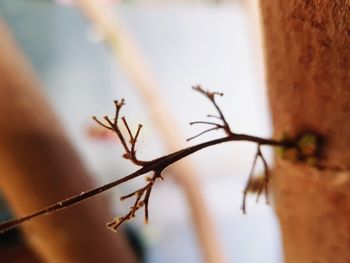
184	43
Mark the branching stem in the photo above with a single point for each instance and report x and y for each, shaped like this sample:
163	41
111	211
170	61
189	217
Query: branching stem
156	166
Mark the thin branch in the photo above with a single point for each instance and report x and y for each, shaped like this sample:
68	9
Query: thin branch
146	190
248	184
266	178
135	192
128	129
201	133
256	184
161	162
118	132
148	194
157	166
213	116
135	140
130	153
7	225
118	105
211	97
207	122
102	124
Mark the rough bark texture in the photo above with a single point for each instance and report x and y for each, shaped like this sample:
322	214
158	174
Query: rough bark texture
39	167
307	45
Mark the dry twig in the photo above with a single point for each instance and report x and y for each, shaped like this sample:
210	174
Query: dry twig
158	165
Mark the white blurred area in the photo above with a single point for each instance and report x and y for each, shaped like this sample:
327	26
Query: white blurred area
185	44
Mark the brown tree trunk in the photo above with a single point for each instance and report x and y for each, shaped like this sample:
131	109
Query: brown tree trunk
39	167
307	45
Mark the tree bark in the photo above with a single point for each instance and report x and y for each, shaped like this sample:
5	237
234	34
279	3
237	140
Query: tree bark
307	47
39	167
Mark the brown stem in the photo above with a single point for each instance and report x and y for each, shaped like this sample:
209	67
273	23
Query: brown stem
158	164
246	189
128	129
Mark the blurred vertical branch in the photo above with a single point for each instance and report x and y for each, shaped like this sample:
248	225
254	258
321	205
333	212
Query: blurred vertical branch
38	166
127	53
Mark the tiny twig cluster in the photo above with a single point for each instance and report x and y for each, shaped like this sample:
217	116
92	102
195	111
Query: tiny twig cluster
157	166
251	185
257	185
143	194
142	199
130	151
216	126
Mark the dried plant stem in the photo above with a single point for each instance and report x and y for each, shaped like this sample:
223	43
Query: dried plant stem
249	185
142	195
158	164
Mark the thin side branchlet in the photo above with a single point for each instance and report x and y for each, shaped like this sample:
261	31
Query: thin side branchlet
251	186
257	184
128	145
223	125
156	167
